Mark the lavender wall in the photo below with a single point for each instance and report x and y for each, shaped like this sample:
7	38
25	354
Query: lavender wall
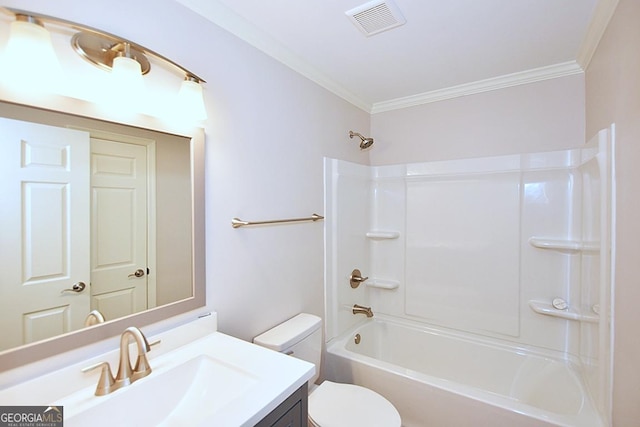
613	95
542	116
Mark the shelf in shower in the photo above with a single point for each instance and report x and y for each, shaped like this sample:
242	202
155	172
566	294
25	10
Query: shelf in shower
382	284
547	309
383	234
564	244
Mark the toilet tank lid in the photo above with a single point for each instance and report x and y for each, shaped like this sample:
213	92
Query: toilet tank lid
289	332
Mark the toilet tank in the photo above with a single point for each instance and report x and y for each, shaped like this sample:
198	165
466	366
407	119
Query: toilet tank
300	337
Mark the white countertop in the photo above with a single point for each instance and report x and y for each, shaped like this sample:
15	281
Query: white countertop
270	378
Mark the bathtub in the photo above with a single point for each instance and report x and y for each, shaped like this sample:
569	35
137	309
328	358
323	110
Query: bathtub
437	378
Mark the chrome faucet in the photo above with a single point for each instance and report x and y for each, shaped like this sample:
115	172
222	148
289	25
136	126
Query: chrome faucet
358	309
126	374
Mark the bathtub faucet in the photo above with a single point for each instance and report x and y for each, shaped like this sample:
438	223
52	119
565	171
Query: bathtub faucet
358	309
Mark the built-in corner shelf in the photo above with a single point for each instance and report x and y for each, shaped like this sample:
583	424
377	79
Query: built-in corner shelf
547	309
564	245
382	284
382	234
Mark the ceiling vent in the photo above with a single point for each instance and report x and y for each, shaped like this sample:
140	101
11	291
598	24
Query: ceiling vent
376	16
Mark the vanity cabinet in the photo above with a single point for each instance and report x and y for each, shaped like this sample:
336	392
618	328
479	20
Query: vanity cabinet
291	413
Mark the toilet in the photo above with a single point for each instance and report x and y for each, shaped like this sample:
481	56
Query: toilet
331	404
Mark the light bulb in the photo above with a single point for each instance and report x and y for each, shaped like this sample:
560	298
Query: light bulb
127	85
127	77
191	101
30	63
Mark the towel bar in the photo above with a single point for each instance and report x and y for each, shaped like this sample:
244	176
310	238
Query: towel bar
236	222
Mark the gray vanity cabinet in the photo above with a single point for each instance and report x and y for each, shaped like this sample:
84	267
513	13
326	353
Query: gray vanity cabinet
291	413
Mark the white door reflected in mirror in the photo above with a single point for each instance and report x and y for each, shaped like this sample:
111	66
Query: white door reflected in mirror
45	247
119	229
85	205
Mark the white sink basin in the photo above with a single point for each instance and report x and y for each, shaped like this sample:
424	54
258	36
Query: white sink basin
186	394
215	380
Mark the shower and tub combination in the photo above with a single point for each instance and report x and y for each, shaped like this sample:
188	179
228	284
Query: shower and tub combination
489	282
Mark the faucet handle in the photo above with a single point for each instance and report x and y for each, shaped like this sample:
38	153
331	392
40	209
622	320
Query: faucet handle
106	381
356	278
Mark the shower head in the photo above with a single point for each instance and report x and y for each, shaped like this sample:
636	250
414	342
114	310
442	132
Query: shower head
364	142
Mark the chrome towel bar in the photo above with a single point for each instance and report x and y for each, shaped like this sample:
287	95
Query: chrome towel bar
236	222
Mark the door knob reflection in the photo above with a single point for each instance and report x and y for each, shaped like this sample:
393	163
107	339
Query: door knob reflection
77	287
138	273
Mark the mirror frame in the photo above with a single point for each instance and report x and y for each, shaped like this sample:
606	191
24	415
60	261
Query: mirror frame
16	357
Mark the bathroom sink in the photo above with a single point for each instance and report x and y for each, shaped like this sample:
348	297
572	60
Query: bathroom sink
198	378
186	394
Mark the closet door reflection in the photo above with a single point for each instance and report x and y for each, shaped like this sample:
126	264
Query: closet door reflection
45	246
119	230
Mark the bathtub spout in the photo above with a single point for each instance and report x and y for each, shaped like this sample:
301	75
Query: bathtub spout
358	309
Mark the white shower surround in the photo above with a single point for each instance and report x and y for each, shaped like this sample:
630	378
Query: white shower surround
475	245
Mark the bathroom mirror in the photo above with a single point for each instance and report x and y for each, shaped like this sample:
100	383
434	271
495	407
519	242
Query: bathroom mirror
149	239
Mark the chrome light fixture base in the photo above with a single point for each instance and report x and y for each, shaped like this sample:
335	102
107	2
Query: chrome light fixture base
101	50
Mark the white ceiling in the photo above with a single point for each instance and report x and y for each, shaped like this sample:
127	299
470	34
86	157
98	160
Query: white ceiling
444	44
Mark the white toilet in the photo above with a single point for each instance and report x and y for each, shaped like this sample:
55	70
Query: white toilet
330	404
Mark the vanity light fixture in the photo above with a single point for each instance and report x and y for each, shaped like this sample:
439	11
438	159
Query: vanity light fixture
127	61
30	61
126	73
102	50
190	98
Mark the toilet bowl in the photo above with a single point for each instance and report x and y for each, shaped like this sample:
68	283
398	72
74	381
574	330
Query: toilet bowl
336	404
331	404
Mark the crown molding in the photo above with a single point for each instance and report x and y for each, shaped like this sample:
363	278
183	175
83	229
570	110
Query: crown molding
227	19
494	83
224	17
602	14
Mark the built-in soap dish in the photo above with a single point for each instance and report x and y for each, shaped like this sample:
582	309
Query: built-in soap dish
548	309
382	234
383	284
